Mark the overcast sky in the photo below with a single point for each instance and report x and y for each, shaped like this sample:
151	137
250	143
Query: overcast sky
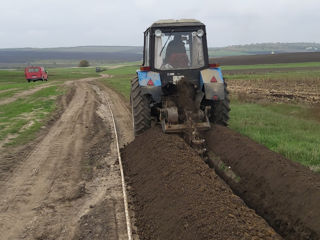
59	23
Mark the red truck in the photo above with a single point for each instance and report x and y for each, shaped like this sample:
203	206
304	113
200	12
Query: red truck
35	73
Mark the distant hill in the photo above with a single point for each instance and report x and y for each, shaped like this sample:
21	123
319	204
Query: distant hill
81	49
68	56
99	55
263	48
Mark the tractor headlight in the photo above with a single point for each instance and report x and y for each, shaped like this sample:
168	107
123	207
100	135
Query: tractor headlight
158	33
200	33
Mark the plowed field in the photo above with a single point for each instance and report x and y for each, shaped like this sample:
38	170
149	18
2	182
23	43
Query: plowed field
176	195
269	58
286	193
276	90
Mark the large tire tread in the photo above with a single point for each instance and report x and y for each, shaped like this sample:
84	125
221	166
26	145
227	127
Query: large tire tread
141	111
220	109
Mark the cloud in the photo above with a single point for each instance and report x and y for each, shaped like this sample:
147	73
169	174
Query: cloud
49	23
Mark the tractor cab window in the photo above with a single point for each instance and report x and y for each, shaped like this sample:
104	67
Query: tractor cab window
178	50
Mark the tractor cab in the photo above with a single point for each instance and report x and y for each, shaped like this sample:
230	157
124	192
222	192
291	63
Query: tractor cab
175	47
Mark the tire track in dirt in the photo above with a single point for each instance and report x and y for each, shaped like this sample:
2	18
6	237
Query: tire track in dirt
70	174
122	115
8	90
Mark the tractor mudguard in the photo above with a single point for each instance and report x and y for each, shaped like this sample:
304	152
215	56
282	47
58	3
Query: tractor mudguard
150	83
155	92
212	81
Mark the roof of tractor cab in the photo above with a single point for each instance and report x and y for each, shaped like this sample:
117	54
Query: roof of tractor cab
177	23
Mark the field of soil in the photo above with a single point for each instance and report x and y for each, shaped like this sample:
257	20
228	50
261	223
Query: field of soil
176	195
268	58
284	192
275	90
270	84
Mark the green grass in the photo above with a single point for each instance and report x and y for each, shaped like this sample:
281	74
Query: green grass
8	93
13	81
286	129
292	72
12	76
12	89
23	118
34	108
121	79
62	74
290	129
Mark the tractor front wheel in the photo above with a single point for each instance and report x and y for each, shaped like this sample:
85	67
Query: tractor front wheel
140	107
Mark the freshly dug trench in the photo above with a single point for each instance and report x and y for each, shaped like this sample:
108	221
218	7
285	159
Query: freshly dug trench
285	193
177	196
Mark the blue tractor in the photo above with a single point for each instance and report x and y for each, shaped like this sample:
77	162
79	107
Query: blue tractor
176	86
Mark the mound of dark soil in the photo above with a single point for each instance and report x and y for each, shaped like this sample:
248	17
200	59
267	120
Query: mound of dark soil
285	193
176	195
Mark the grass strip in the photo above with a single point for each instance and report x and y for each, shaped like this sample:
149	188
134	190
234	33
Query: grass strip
120	80
289	130
32	110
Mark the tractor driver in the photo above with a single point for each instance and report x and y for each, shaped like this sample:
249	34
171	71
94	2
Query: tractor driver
176	55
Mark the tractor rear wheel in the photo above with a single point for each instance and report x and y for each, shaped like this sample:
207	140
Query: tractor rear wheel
220	109
140	107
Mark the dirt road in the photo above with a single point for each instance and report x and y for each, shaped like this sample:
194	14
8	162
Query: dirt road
69	185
